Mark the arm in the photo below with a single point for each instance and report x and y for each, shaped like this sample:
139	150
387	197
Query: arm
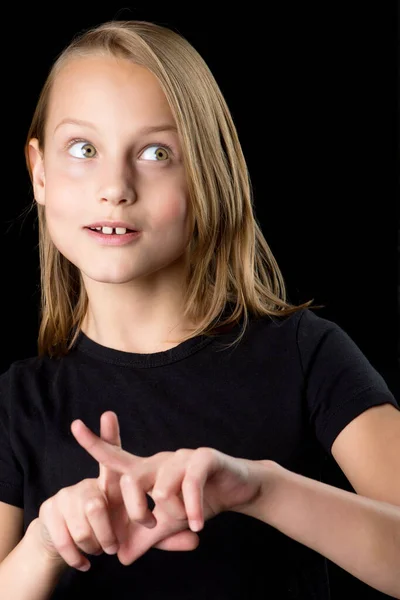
359	534
27	573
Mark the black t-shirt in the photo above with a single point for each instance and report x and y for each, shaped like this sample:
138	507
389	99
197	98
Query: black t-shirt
284	393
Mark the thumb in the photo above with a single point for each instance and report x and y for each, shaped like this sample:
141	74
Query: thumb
183	540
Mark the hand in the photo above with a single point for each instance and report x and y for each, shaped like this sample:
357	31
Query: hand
75	518
109	483
186	485
90	516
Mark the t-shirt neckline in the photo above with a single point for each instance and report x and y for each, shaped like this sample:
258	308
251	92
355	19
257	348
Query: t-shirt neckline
155	359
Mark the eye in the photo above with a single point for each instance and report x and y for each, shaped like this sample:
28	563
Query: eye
82	149
161	153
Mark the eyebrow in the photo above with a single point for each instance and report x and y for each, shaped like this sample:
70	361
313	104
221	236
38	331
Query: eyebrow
143	131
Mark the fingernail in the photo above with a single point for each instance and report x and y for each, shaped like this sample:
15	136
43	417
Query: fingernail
111	549
195	525
85	567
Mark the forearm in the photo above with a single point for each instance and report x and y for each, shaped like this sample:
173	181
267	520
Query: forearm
26	574
359	534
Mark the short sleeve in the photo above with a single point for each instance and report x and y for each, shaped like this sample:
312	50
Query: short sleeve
11	474
340	382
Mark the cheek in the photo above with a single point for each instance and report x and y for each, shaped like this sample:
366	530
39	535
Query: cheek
61	206
172	220
172	206
64	210
64	191
174	211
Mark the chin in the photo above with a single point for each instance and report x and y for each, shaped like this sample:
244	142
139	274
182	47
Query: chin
111	278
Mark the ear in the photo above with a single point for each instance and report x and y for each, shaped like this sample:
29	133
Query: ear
37	167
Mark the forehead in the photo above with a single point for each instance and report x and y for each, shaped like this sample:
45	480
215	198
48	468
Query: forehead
96	85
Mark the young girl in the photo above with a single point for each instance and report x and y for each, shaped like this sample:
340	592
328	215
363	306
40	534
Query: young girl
170	433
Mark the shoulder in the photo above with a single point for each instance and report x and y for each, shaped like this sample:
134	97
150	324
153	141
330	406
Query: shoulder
329	358
321	339
307	329
23	377
289	326
25	366
310	322
341	379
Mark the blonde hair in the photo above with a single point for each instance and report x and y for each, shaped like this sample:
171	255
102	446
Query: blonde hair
230	262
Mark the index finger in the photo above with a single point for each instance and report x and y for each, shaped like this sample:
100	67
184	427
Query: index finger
113	457
109	432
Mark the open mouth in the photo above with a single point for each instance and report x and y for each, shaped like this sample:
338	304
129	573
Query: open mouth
112	230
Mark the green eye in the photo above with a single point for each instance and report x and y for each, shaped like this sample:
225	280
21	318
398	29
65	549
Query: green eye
161	153
82	150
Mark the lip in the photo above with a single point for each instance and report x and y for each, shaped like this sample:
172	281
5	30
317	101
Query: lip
105	239
113	224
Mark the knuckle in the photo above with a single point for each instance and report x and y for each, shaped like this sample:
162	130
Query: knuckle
126	480
204	454
89	486
183	452
63	545
62	494
204	450
45	508
191	476
160	455
197	462
94	505
160	494
79	533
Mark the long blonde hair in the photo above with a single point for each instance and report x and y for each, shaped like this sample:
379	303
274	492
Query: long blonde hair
230	262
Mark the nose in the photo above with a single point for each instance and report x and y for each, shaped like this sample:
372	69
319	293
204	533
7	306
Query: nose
116	186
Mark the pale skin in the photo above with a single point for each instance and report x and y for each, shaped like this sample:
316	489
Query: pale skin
98	163
107	105
135	305
104	105
188	487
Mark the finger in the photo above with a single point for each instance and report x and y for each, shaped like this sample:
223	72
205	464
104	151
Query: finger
76	519
135	501
140	539
183	540
108	455
204	463
99	520
110	428
165	491
55	528
185	475
167	488
109	432
82	533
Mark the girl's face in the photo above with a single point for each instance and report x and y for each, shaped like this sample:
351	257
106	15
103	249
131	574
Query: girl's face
112	153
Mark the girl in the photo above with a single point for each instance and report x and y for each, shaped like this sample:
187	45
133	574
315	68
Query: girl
165	325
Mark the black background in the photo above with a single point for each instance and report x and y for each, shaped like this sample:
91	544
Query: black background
313	89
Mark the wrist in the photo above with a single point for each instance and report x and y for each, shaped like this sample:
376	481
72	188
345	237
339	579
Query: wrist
268	472
34	541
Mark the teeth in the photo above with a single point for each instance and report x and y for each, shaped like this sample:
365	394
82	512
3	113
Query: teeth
110	230
107	230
